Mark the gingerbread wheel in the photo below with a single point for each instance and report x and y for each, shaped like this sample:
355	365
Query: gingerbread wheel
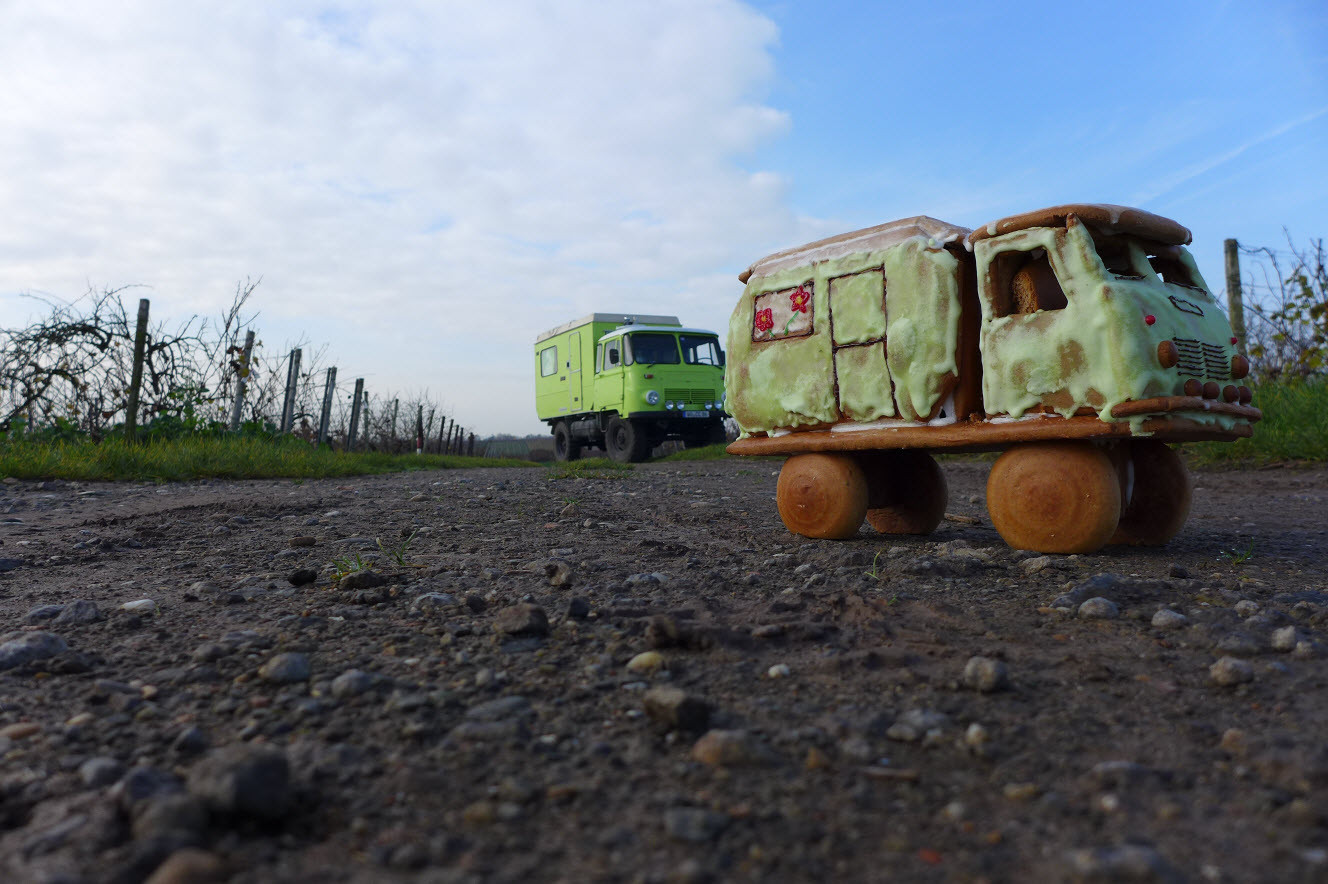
822	495
906	491
1157	494
1055	497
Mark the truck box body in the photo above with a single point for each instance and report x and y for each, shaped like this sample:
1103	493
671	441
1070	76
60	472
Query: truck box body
565	360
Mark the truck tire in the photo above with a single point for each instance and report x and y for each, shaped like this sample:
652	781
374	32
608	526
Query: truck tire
1054	497
822	495
906	491
626	441
564	446
1157	495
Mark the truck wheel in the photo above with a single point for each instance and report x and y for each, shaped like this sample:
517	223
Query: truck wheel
564	448
1054	497
626	442
906	491
822	495
1158	494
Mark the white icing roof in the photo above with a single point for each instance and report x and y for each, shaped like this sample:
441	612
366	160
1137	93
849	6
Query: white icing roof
868	239
620	318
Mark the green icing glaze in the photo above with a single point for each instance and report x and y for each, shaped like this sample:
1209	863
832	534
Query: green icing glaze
923	332
857	303
864	385
1097	351
789	383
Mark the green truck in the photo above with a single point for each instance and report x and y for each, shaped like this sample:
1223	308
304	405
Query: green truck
627	382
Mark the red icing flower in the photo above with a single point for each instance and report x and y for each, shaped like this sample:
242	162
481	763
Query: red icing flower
798	300
765	319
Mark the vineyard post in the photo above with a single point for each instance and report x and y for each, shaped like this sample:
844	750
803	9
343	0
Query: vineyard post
447	445
442	431
329	388
242	380
292	382
419	429
461	434
354	414
471	446
136	379
1235	303
392	434
366	421
428	429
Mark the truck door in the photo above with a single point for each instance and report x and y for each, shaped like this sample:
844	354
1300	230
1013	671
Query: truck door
574	374
609	376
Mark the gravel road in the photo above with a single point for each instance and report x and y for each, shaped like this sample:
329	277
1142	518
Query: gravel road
644	677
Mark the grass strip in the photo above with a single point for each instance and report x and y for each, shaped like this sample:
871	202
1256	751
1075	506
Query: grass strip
211	458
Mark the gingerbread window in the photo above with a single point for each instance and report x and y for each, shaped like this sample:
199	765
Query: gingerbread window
786	313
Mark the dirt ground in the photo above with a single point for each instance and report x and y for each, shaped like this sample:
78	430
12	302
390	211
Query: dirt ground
644	677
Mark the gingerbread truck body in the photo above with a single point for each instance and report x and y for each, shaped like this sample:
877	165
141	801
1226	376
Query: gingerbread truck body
1079	339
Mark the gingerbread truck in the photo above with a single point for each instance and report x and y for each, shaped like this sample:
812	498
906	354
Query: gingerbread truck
1080	340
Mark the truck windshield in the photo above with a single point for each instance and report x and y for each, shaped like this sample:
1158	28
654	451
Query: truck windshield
699	349
652	348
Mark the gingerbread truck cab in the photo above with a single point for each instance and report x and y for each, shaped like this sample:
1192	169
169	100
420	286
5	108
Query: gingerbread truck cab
1079	339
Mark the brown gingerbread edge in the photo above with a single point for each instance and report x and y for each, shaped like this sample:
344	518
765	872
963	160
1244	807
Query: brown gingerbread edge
1102	216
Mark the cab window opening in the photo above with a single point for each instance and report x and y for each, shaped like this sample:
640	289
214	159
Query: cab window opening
1166	263
700	350
652	348
1024	282
1117	256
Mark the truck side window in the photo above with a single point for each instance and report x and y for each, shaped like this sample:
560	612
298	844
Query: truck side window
599	358
1024	282
548	361
613	353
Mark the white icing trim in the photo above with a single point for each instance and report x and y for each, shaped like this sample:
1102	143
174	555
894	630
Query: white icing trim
1037	415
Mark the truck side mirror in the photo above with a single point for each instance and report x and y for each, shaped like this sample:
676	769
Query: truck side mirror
613	357
722	357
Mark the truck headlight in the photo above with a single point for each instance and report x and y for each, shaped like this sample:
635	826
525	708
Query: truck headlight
668	405
652	396
709	405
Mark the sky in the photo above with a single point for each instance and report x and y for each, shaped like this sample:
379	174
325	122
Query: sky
423	187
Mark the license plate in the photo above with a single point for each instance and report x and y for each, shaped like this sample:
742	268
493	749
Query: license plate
696	414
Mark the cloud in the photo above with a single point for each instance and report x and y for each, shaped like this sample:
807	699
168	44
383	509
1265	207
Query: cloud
429	183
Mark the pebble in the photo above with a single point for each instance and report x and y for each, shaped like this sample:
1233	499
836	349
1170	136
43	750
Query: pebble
20	730
676	708
302	542
79	611
1099	609
694	824
1036	564
361	580
244	780
1128	862
522	619
100	771
302	577
286	668
189	865
42	613
558	572
169	815
1231	671
30	647
1285	639
986	674
729	747
915	724
578	608
1166	618
140	606
433	602
779	670
352	683
1246	608
646	662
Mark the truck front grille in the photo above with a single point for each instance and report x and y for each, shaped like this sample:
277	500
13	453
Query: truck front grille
1198	359
691	397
